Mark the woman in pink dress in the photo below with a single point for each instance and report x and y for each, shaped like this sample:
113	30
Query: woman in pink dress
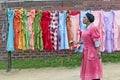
91	61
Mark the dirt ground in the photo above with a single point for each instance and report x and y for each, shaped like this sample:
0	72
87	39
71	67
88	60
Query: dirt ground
111	72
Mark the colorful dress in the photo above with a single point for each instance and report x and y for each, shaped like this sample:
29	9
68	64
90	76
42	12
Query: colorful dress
21	43
91	63
10	39
45	22
30	19
63	31
16	28
108	19
54	30
27	33
117	30
38	42
98	23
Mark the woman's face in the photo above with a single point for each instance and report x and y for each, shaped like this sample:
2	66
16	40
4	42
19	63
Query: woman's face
85	20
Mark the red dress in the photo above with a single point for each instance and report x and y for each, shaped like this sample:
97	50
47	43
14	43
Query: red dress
45	22
91	63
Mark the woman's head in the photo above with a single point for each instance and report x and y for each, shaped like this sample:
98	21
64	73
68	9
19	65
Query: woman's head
88	18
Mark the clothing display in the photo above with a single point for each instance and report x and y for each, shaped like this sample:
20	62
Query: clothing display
58	30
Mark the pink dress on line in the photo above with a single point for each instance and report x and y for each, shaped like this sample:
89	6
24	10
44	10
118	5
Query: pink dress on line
91	63
31	16
117	30
98	23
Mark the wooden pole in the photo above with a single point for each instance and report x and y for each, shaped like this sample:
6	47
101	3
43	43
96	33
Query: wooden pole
9	66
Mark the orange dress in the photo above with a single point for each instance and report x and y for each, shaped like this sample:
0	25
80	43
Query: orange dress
16	28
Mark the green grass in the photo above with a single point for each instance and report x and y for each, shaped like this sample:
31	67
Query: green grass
73	61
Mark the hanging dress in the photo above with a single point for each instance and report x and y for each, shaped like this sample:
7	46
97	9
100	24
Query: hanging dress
98	23
10	39
69	30
108	18
38	42
63	31
54	30
27	34
75	27
21	43
45	22
16	28
117	30
30	19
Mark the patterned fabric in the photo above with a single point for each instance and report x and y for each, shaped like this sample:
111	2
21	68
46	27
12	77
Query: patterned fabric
10	39
108	18
54	29
63	31
45	22
38	42
30	19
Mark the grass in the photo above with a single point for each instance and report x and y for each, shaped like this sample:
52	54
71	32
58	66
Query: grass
69	62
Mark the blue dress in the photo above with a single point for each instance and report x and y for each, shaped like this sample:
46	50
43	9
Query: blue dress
10	39
62	30
82	26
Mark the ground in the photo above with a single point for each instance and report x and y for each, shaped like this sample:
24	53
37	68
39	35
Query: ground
111	72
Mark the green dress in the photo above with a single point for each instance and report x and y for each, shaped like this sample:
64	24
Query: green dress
27	33
38	42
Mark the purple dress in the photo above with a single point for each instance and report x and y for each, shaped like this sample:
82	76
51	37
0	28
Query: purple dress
108	18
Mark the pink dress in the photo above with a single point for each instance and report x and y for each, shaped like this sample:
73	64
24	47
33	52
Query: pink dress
117	30
91	63
98	23
31	16
75	27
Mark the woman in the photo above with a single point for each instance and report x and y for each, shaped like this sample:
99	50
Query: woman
91	61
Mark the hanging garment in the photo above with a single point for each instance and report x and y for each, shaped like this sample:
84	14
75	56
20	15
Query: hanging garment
82	26
30	19
108	18
16	28
91	67
63	31
117	30
27	34
54	30
98	23
21	43
38	42
10	39
75	27
69	30
45	22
